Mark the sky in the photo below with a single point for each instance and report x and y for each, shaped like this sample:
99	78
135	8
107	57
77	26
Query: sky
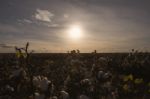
105	25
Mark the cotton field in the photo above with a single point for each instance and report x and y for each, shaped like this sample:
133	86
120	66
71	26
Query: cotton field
75	75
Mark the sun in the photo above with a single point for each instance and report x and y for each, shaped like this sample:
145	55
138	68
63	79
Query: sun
75	32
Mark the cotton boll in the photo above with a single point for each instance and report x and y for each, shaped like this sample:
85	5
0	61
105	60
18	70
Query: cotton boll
106	75
39	96
64	95
102	59
85	82
41	82
44	84
74	61
83	97
100	74
39	78
16	73
54	97
36	81
8	89
23	73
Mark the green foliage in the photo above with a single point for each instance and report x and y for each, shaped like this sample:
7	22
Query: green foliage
138	80
128	78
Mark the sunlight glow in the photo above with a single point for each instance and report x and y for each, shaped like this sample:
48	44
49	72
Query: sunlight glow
75	32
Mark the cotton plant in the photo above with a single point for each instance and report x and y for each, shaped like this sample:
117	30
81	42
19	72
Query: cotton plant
64	95
41	82
17	72
23	56
102	61
6	92
103	76
54	97
39	96
74	58
84	97
74	61
44	83
86	86
36	81
7	89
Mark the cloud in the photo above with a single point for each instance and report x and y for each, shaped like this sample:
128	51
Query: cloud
6	46
25	21
43	15
66	16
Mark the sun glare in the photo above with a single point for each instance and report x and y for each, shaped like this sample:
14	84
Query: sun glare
75	32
